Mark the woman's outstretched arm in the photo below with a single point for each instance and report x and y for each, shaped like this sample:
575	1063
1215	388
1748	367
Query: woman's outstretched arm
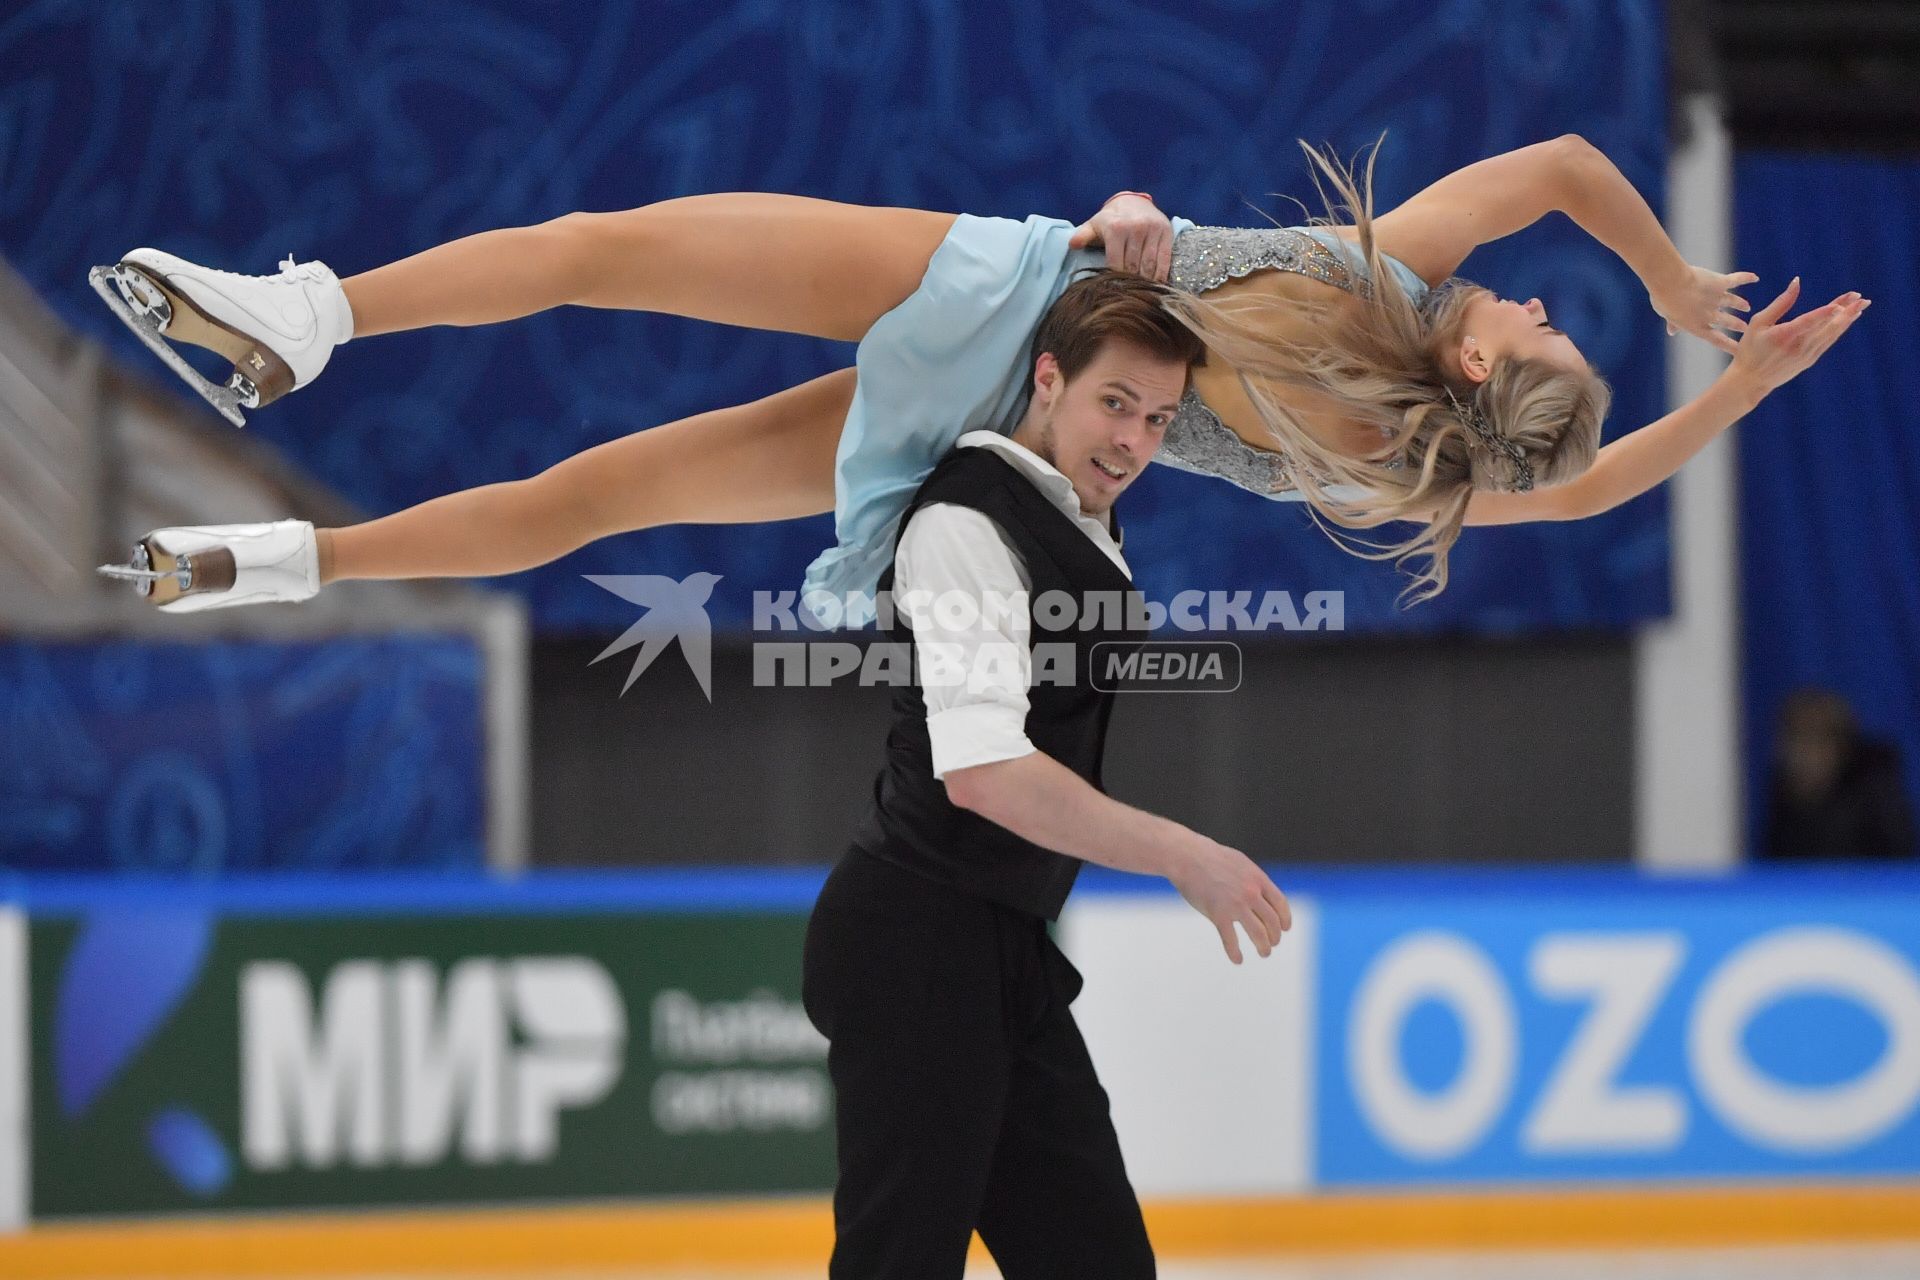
1768	356
769	460
1493	198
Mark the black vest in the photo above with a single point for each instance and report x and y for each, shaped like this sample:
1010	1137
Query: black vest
911	822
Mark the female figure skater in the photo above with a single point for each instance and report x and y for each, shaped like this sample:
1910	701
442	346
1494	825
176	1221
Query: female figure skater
1351	371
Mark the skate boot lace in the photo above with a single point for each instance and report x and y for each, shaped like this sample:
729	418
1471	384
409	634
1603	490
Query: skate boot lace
291	270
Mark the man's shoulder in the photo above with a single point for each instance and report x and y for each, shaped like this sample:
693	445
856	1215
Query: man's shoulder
981	478
944	521
975	463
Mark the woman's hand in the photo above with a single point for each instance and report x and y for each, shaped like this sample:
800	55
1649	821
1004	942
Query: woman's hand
1136	235
1772	354
1703	303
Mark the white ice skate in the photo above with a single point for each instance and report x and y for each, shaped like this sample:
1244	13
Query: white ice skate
216	566
277	330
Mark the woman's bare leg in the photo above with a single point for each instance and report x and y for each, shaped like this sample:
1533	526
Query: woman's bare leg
763	261
769	460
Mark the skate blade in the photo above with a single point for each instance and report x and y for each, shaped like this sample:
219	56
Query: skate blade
128	573
139	570
179	319
158	586
106	283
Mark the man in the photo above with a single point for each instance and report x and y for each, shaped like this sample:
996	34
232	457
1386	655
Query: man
1836	793
965	1095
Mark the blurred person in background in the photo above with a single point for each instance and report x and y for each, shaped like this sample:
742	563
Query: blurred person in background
1835	793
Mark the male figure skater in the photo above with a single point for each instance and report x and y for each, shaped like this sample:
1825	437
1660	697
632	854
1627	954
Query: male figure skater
966	1098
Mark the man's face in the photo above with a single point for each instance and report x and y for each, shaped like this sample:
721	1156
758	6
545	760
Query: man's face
1102	428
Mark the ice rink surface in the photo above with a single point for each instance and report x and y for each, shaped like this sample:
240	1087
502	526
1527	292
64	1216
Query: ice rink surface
1799	1262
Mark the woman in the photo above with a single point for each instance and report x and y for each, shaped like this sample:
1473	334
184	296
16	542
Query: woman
1347	376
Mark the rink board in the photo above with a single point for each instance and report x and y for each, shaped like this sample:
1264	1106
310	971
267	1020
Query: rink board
1430	1030
1434	1044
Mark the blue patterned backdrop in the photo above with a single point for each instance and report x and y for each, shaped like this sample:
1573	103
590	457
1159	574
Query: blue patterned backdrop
352	754
361	131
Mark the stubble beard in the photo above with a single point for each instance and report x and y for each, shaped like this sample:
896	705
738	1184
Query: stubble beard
1046	448
1045	444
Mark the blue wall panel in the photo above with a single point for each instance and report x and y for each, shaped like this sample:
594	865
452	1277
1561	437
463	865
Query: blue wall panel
195	759
1830	463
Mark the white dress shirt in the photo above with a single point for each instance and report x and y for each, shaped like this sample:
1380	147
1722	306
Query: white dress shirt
974	666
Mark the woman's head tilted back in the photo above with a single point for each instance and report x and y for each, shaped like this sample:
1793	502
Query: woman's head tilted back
1476	393
1525	378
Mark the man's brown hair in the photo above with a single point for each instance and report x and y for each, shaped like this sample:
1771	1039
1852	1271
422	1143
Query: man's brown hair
1113	304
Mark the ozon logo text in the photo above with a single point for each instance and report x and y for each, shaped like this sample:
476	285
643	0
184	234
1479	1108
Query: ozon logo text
1584	1107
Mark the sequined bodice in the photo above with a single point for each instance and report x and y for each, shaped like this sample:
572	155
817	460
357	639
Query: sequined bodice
1205	258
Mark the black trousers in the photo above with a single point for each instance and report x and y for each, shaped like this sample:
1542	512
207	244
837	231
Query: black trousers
965	1097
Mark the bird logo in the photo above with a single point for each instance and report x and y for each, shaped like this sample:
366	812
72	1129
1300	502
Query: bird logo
675	611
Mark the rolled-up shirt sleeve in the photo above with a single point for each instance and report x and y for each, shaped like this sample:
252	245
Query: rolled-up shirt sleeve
964	592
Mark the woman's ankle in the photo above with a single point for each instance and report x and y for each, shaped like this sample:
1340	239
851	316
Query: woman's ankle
323	542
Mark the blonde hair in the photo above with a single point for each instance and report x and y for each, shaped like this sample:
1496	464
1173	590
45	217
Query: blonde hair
1386	362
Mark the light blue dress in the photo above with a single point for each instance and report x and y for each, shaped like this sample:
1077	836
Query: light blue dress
955	357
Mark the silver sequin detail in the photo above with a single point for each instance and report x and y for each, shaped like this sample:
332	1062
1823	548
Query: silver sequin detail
1198	441
1204	259
1207	257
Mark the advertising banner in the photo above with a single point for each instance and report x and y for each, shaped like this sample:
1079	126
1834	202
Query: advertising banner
1206	1063
189	1061
512	1042
1628	1033
13	1069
